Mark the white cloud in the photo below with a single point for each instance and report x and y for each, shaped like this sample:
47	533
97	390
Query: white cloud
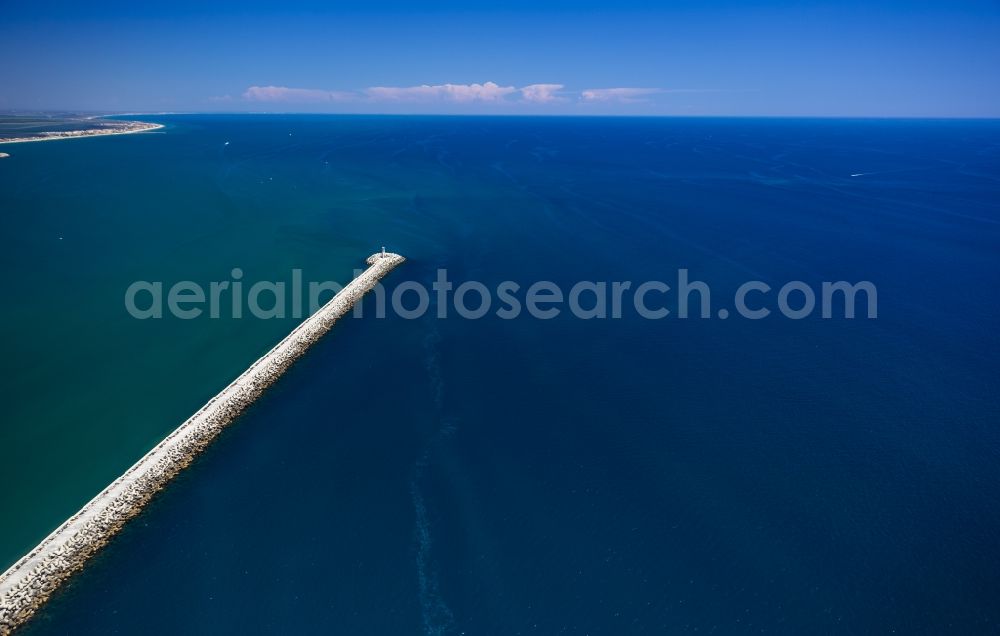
295	95
488	92
625	95
541	93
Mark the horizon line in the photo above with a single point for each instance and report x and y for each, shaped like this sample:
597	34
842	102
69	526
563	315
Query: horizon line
539	115
101	113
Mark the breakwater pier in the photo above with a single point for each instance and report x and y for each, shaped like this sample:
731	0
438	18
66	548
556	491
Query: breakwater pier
26	585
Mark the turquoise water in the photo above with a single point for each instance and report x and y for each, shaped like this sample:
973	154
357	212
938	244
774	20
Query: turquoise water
519	476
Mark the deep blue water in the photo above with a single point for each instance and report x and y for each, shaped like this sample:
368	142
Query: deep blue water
620	476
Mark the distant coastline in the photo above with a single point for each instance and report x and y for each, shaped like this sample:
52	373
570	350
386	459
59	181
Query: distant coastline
125	128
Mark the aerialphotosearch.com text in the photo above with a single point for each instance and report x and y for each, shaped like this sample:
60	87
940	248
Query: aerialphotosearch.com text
683	297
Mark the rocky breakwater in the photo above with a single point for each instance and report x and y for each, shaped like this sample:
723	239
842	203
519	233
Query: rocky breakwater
29	582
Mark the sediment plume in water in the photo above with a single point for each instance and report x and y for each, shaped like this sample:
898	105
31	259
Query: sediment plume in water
32	580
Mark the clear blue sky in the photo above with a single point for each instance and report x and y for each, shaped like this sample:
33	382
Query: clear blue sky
878	58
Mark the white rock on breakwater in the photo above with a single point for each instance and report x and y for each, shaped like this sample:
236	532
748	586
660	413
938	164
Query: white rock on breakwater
29	582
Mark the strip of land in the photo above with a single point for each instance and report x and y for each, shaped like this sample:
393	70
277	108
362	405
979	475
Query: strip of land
115	128
29	582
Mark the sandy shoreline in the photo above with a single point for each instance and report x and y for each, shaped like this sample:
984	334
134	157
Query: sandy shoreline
131	127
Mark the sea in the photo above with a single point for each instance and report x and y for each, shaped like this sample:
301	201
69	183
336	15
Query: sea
503	475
